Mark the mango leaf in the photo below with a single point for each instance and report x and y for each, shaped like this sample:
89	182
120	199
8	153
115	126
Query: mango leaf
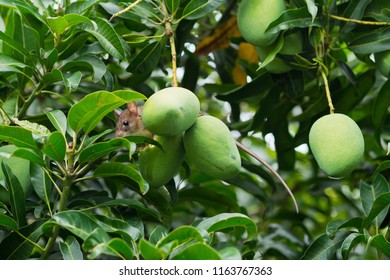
90	110
312	8
183	234
126	229
39	131
381	244
114	247
133	204
18	136
41	183
230	253
70	249
16	195
111	169
99	150
58	120
172	5
196	251
370	192
79	7
14	45
350	242
79	223
324	248
371	42
149	251
61	23
294	18
107	37
196	9
91	63
17	245
227	221
381	203
55	146
334	226
146	60
8	223
158	233
8	62
34	156
355	10
380	107
382	166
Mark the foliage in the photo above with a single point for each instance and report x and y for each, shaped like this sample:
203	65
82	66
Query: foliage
69	190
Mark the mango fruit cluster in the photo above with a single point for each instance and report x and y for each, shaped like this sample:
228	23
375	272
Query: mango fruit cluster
173	115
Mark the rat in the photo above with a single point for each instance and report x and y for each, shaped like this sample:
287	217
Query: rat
129	122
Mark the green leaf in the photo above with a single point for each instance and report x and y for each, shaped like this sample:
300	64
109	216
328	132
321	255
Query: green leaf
79	7
146	60
57	24
90	110
18	136
34	156
355	10
41	183
334	226
113	169
79	223
16	195
70	249
149	251
380	107
181	235
196	251
55	146
8	223
172	5
312	8
369	193
17	245
382	167
8	62
58	120
350	242
91	63
230	253
120	248
227	221
99	150
381	203
39	131
381	244
107	37
294	18
371	42
133	204
323	248
196	9
128	230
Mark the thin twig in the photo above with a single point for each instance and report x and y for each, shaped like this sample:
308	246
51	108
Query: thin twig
328	96
259	159
366	22
121	12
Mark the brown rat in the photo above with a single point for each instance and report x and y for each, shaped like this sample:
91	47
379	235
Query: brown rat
130	122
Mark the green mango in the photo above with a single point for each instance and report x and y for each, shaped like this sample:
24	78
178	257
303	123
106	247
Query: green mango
212	149
254	17
170	111
337	144
158	166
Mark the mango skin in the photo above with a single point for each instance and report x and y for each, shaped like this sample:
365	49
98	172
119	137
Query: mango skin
211	148
254	17
170	111
158	166
337	144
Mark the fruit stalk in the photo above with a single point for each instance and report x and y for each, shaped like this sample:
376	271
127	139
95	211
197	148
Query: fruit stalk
366	22
328	96
121	12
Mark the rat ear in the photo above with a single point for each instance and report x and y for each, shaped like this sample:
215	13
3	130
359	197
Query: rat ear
132	107
117	113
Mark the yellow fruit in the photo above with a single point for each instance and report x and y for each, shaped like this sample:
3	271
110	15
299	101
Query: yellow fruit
170	111
254	17
159	166
337	144
382	61
211	148
292	44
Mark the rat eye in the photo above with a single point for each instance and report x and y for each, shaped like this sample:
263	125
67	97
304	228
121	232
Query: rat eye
125	123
